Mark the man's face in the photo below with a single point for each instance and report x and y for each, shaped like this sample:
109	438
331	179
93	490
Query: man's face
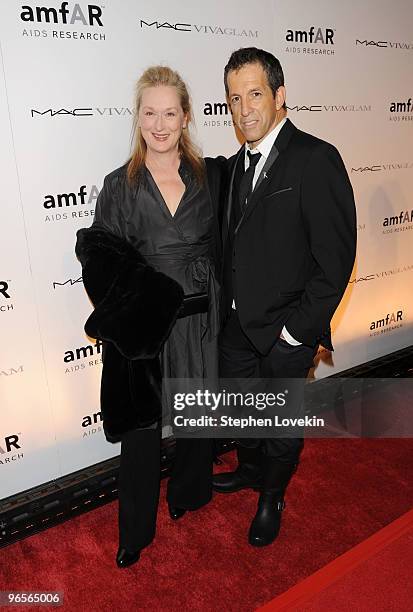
254	108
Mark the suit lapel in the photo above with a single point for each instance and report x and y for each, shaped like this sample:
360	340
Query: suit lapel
264	174
281	143
227	216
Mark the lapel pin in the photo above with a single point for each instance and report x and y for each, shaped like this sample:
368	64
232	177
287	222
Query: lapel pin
265	175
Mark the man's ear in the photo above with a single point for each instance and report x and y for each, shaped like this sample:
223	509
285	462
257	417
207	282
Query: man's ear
280	96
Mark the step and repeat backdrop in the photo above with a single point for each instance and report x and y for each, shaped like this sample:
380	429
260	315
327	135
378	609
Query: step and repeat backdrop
67	77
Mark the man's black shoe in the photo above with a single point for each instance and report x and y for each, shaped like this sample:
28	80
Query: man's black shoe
124	558
267	521
230	482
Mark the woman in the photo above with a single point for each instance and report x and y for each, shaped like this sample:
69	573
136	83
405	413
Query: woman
157	212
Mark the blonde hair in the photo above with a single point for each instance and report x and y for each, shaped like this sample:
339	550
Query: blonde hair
154	77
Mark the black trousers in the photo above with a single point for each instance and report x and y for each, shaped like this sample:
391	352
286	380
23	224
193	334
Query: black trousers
189	487
239	359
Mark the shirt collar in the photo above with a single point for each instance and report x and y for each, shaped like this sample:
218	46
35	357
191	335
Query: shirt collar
267	143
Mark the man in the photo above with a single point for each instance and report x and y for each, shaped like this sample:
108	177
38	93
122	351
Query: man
289	247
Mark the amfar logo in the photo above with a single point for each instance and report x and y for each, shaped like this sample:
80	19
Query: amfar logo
69	282
63	15
83	352
401	111
384	44
322	36
4	289
216	108
88	421
402	107
331	108
406	216
198	29
5	295
11	371
9	443
92	419
91	352
388	320
62	200
214	111
107	111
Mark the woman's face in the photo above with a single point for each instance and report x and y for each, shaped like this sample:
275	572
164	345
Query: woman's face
161	118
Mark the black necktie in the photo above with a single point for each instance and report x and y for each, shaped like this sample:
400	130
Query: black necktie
245	187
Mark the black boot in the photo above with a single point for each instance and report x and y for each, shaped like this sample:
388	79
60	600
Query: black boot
267	521
175	513
124	558
246	476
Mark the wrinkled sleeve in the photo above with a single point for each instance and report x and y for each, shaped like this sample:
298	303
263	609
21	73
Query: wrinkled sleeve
329	216
108	211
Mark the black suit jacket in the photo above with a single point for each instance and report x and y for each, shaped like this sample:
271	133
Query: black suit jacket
294	247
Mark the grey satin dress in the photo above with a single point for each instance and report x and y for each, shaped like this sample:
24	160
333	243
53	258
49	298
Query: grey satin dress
180	246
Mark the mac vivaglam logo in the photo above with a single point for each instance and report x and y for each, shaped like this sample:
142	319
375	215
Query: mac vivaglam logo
11	371
105	111
330	108
384	44
367	169
382	275
384	167
361	279
69	281
90	15
160	24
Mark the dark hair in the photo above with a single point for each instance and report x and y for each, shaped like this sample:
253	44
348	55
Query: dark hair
252	55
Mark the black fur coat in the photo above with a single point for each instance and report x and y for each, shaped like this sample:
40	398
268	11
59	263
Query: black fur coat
135	307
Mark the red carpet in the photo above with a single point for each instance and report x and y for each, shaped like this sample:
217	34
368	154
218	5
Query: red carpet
343	492
375	575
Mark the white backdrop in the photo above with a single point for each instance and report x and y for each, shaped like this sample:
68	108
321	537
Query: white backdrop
66	95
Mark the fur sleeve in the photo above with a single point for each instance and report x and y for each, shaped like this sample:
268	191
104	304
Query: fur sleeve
135	305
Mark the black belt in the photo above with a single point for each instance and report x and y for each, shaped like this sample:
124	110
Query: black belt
193	304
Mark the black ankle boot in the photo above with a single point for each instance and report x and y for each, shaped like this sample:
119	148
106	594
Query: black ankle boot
267	521
244	477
